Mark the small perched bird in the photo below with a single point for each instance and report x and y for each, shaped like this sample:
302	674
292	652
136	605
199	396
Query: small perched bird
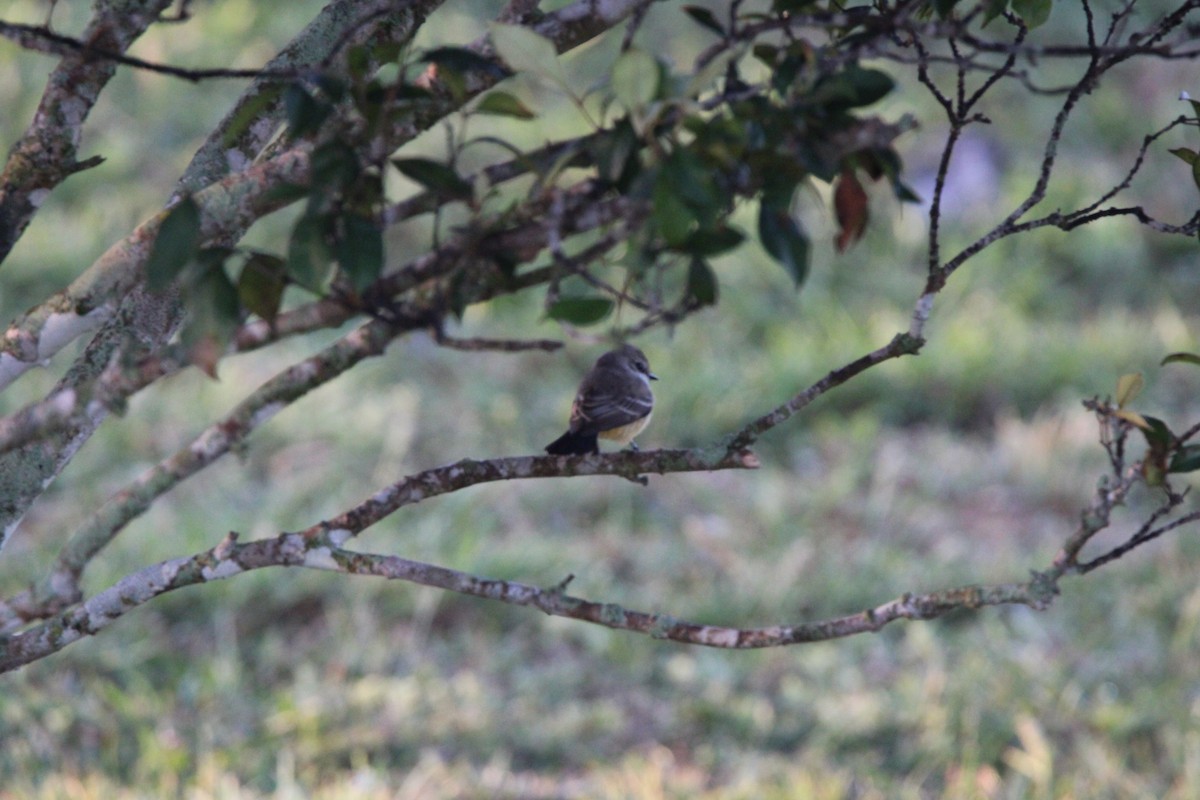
614	402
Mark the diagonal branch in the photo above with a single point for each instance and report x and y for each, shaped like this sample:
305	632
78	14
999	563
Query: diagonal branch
45	155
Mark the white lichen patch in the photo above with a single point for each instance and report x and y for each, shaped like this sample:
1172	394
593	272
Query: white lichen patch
63	328
265	413
236	160
223	569
321	558
339	536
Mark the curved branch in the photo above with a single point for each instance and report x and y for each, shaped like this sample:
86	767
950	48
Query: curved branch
295	550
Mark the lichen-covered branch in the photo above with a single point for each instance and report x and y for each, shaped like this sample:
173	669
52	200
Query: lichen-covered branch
46	154
230	558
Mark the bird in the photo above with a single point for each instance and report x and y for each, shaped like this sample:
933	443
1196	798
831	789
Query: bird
614	402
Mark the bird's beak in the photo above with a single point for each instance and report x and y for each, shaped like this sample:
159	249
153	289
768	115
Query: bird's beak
651	376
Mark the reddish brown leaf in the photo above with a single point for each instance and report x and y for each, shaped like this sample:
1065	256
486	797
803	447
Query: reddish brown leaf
206	354
850	206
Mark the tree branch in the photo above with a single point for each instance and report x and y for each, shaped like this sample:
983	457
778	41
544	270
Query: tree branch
296	550
45	155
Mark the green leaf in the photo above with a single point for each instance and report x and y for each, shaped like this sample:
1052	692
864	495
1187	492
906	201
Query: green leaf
505	105
1184	154
635	78
712	241
1033	12
702	282
944	7
525	50
993	9
705	17
359	249
305	113
1181	358
1186	459
177	242
692	181
1158	435
791	6
580	310
212	319
308	258
673	217
616	155
853	87
261	283
782	237
435	176
334	165
283	194
1129	386
1190	157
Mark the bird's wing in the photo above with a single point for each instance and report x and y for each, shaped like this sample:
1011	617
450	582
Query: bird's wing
594	412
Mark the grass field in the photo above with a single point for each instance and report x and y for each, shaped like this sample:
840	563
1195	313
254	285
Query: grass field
968	464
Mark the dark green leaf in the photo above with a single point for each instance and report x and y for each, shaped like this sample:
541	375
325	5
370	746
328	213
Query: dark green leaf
505	105
359	250
333	88
1185	155
782	237
944	7
177	241
791	6
1186	459
673	217
702	282
993	9
212	319
685	197
1181	358
766	53
463	61
704	17
1159	437
261	283
712	241
580	310
334	165
435	176
308	258
304	112
283	194
359	61
889	163
785	74
852	87
1034	13
616	155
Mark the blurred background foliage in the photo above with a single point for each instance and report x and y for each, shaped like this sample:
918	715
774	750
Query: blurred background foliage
967	464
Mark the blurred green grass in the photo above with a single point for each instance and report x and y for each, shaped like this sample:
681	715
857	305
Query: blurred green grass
967	464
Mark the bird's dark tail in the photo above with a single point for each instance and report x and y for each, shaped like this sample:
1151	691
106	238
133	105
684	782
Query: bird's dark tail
573	444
